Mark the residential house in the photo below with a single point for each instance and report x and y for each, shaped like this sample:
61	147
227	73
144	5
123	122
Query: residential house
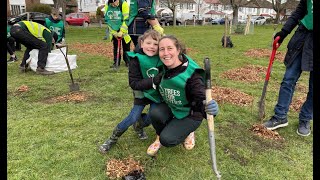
185	9
89	6
15	7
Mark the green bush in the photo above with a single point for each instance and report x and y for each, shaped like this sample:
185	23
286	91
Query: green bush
43	8
69	10
239	29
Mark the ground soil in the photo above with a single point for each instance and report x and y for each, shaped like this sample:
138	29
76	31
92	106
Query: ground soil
264	53
261	131
116	168
233	96
249	73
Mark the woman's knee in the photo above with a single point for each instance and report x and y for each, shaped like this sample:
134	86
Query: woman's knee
168	141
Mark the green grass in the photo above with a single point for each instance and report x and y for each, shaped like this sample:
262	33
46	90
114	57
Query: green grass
59	140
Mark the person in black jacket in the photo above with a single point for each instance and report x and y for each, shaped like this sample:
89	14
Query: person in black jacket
299	57
183	91
144	75
34	36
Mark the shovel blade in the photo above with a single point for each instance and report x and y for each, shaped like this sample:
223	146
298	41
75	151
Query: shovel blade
74	87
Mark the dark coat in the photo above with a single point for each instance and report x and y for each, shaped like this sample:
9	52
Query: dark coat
301	41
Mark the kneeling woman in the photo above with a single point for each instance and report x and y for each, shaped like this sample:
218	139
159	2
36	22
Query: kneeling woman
183	91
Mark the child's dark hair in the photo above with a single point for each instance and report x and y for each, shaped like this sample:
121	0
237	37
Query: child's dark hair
180	46
155	35
55	11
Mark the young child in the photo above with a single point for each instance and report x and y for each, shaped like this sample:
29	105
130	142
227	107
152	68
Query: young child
144	76
183	91
54	23
116	17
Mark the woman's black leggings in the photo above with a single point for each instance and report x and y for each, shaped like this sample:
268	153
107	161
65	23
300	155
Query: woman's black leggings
172	131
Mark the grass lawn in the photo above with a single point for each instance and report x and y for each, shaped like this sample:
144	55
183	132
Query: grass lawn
59	140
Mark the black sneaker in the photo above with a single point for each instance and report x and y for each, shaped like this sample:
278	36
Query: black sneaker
275	123
12	59
42	71
23	69
304	128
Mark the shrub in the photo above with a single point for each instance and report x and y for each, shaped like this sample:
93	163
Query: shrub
239	29
43	8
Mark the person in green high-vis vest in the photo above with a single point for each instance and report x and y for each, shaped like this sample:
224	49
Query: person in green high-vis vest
117	17
144	76
182	89
55	23
299	57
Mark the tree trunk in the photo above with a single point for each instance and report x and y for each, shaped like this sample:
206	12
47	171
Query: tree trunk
235	14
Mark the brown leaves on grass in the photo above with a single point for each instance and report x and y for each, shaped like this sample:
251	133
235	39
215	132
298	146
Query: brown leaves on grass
23	88
264	53
117	168
249	73
261	131
233	96
103	49
297	103
70	97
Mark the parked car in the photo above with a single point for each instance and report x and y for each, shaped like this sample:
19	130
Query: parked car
78	19
242	21
218	21
29	16
168	20
258	20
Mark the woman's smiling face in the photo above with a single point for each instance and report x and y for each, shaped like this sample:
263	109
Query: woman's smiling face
169	53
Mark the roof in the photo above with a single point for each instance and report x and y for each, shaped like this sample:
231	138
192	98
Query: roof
215	12
212	1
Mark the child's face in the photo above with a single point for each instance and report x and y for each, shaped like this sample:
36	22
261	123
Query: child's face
115	4
169	53
55	17
149	46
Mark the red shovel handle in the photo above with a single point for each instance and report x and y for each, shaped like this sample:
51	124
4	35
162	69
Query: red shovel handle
275	46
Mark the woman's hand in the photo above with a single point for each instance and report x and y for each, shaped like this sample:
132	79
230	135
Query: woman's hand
212	107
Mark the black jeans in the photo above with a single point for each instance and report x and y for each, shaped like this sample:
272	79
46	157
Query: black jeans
126	47
11	45
172	131
30	42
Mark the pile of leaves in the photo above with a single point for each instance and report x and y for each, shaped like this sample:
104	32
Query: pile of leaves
70	97
23	88
117	168
249	73
233	96
264	53
261	131
105	49
297	103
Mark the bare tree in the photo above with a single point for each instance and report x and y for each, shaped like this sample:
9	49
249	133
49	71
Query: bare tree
281	6
63	5
172	4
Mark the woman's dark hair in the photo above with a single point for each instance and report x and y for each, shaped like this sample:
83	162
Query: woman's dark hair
180	46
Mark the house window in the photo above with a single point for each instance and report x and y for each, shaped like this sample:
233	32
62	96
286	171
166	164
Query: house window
189	5
181	5
17	9
215	7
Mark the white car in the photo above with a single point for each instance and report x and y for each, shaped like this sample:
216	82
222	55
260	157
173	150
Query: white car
258	20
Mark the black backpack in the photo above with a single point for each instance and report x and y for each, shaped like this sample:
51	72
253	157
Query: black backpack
229	42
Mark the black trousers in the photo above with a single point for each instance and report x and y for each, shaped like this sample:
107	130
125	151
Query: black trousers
30	42
126	47
11	45
172	131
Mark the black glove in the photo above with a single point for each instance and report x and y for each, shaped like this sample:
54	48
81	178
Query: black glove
282	35
157	79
